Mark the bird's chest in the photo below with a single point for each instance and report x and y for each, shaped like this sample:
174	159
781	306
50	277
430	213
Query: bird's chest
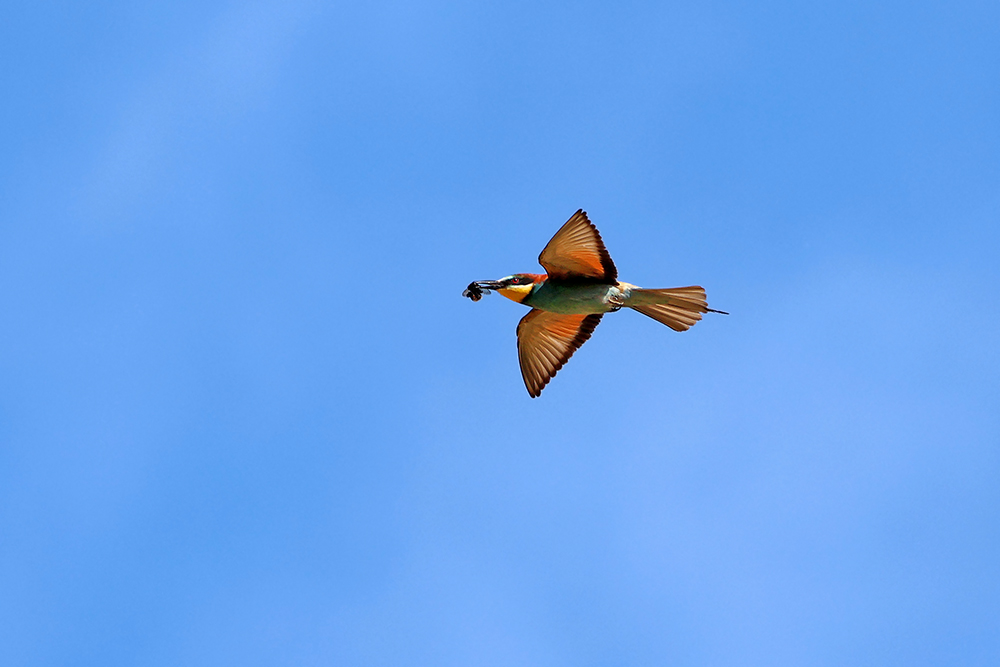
575	299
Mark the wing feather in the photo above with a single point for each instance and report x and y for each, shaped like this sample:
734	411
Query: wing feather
546	341
577	251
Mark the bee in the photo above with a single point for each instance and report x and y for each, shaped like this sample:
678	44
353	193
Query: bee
474	291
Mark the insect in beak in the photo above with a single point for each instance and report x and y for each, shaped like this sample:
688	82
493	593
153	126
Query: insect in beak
478	288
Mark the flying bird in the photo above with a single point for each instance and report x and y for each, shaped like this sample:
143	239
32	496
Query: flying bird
568	301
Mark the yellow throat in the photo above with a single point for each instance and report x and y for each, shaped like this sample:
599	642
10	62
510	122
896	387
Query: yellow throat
516	292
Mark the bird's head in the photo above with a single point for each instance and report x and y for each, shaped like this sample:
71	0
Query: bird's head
516	287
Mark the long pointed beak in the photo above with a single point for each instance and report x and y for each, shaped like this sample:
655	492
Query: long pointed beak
489	284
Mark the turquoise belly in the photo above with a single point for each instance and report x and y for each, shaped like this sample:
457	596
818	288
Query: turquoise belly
573	299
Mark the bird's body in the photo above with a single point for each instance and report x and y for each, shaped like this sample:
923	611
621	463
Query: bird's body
567	302
570	298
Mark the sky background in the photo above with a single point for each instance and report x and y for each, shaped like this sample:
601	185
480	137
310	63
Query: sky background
246	417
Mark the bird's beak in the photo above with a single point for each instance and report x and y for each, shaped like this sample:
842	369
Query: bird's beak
489	284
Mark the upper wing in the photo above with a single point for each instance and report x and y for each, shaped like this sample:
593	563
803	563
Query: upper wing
577	251
546	341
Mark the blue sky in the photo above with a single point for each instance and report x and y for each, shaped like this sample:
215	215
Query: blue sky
246	417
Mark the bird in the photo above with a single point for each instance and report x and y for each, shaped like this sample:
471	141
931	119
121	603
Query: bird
567	302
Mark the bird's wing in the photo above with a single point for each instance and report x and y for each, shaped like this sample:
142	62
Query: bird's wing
577	251
546	341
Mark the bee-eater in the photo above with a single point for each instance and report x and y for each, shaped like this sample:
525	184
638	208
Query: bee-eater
568	301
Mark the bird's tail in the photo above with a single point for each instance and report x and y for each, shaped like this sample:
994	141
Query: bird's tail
679	308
